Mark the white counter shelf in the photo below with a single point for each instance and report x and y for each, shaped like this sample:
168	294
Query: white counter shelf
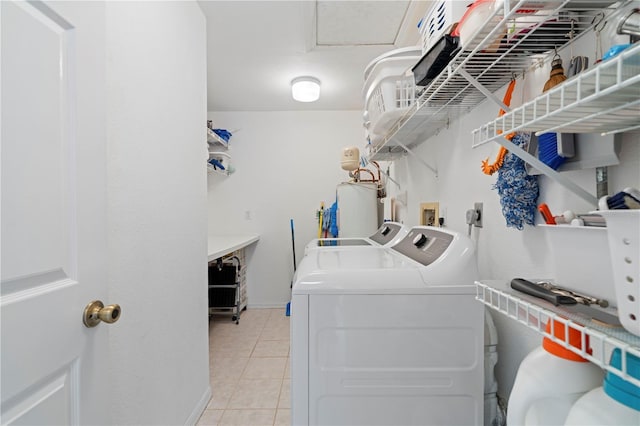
220	245
535	313
223	248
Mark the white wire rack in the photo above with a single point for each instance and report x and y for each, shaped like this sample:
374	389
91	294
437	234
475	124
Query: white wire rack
223	159
604	99
213	138
597	341
528	31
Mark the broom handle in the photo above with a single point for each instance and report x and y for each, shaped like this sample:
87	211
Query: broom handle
293	246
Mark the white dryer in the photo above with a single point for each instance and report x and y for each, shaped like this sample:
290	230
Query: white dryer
390	336
387	235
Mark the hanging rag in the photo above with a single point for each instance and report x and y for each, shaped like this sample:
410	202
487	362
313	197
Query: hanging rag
518	190
334	219
326	222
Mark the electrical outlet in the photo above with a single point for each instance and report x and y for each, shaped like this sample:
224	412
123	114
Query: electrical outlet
478	208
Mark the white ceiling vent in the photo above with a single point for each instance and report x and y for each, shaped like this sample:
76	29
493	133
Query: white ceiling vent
359	23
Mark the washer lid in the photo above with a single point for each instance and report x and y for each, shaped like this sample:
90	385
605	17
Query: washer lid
342	242
426	260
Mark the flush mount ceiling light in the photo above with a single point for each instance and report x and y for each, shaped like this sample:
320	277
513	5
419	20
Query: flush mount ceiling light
305	89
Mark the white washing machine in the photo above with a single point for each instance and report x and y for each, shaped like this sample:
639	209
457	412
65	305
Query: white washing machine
387	235
390	336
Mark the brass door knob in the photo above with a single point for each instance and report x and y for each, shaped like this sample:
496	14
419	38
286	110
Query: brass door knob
96	312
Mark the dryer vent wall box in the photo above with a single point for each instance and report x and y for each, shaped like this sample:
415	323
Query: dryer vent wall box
389	336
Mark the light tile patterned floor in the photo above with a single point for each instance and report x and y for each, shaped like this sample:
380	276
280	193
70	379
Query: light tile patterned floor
249	367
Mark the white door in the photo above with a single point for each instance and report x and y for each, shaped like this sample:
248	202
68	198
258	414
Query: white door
54	369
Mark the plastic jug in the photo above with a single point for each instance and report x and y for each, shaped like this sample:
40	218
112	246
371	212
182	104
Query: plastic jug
550	379
491	415
617	402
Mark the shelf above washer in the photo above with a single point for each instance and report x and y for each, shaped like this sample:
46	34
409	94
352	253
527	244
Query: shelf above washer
480	68
535	313
604	99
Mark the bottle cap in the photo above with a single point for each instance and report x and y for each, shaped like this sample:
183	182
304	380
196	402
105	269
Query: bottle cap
575	340
619	389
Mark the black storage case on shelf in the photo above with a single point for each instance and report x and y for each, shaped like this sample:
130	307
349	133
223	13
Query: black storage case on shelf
223	297
224	276
435	60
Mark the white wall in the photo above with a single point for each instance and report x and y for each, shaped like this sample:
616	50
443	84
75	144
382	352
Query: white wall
287	164
277	188
505	253
156	78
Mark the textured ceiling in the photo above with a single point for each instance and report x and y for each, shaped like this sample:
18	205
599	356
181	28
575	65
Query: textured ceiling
344	23
255	49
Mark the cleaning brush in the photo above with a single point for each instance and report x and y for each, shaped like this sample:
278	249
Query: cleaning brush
628	198
548	150
548	142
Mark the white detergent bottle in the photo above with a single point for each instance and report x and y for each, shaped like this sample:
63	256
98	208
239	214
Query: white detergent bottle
616	403
550	379
491	415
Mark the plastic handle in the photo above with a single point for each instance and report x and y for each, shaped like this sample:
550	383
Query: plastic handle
546	214
533	289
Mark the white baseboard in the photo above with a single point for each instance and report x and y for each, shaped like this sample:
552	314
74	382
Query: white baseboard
266	306
199	408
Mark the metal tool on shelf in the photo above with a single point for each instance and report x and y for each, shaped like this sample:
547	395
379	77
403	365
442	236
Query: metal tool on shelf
570	301
579	298
555	294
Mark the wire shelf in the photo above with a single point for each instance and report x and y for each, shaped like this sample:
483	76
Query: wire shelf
604	99
213	138
508	44
597	341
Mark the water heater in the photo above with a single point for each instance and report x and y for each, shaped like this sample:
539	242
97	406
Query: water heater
357	209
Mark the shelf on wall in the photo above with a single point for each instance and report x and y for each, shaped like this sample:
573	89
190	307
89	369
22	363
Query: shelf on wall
535	313
213	138
603	99
482	67
224	161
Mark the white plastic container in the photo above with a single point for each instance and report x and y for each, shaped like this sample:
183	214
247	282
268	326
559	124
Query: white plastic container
550	380
481	15
438	21
490	361
617	402
389	89
389	100
623	232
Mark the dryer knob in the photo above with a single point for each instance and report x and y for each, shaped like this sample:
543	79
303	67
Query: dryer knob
419	240
385	230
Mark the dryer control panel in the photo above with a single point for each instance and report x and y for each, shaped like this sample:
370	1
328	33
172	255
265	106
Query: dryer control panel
424	244
386	232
